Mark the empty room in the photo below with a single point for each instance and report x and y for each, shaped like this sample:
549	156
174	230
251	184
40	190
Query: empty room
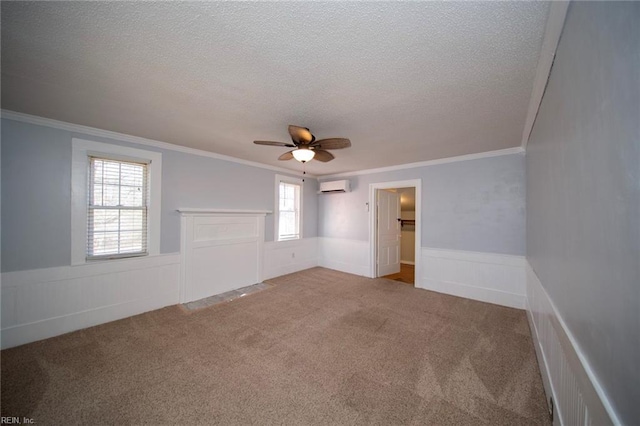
345	213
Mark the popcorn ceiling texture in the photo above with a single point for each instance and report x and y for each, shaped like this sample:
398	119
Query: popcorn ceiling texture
405	81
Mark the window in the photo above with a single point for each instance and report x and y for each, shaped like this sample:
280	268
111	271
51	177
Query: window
117	211
115	202
289	212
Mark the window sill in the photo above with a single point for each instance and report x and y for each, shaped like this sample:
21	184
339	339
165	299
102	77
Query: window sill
288	239
117	257
104	261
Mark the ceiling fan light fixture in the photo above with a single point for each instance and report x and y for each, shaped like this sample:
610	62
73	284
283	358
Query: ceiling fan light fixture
306	146
303	154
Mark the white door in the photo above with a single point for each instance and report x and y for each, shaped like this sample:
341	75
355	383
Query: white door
388	232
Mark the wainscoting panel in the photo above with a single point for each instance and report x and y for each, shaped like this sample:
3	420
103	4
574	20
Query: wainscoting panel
488	277
42	303
286	257
351	256
564	370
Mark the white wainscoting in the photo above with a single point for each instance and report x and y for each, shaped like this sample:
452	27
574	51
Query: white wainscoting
488	277
286	257
578	397
351	256
42	303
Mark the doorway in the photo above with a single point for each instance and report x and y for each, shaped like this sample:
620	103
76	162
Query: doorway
407	215
394	230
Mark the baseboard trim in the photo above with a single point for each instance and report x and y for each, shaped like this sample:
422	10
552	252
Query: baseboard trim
566	374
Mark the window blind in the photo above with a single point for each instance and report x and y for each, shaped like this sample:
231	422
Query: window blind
117	211
289	211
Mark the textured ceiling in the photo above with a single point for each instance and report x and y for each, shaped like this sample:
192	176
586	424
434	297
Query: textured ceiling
405	82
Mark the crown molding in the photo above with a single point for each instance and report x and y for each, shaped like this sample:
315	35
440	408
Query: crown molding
86	130
92	131
552	34
487	154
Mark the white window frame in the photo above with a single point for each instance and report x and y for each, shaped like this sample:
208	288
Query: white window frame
81	151
276	216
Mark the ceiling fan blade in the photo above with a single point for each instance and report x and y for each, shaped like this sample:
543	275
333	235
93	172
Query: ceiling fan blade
272	143
301	135
332	143
286	156
322	155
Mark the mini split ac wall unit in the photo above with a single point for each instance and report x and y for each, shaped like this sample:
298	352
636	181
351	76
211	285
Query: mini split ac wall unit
334	186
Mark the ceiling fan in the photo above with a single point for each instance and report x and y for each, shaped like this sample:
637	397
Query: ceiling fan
307	147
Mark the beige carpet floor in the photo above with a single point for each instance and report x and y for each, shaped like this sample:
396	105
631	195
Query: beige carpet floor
317	347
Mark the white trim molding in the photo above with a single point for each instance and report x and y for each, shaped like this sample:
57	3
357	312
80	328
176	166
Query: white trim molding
92	131
373	188
276	205
81	150
488	277
567	377
552	33
42	303
467	157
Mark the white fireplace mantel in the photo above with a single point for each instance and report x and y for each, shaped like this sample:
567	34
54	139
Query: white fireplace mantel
221	249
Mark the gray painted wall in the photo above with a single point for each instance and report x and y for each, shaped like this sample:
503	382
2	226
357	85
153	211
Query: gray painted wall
36	194
583	193
474	205
36	197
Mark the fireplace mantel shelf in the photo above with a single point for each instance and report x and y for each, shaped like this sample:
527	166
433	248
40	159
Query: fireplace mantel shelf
187	210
